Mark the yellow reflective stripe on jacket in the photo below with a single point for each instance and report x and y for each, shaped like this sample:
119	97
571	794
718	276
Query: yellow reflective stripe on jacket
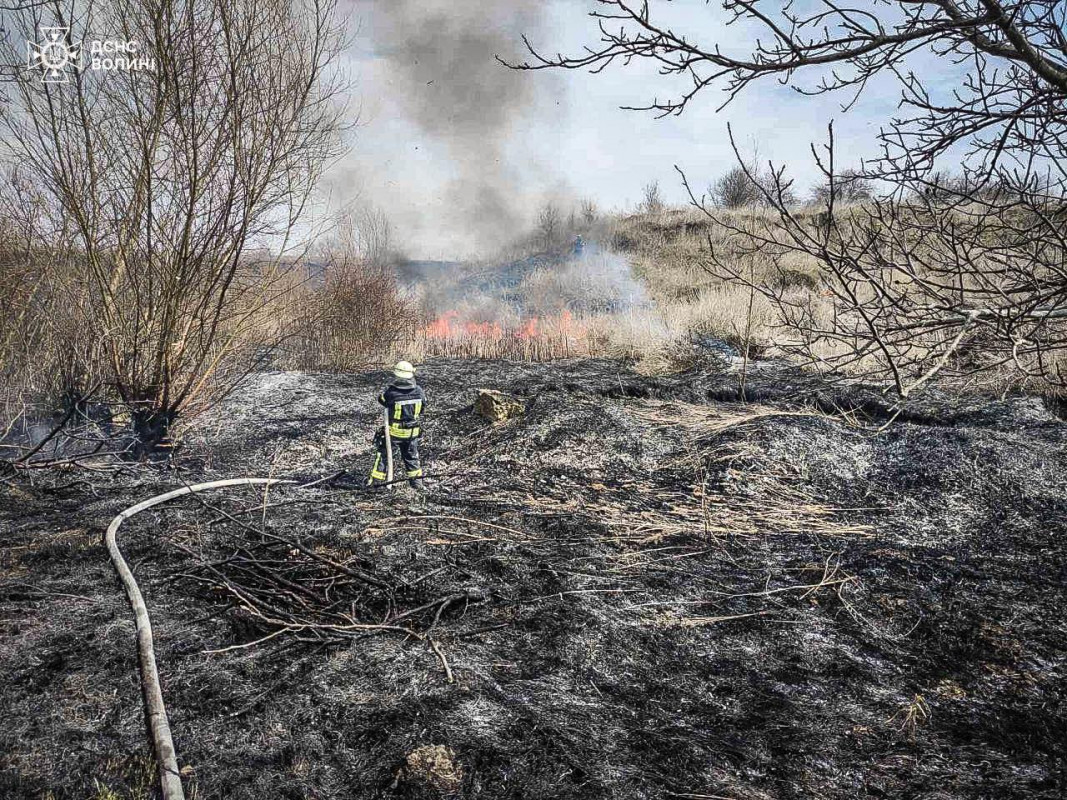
402	433
398	407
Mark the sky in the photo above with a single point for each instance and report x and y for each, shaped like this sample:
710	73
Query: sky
459	152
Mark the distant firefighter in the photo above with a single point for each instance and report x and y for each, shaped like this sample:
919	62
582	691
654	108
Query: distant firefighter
579	245
404	400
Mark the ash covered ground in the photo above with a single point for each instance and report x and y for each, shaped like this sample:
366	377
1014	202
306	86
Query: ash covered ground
643	587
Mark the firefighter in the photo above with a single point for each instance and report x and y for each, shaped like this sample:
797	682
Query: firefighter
405	401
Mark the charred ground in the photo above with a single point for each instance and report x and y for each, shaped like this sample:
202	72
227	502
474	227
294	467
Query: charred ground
644	587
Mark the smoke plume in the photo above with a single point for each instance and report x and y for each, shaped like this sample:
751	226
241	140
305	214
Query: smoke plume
435	65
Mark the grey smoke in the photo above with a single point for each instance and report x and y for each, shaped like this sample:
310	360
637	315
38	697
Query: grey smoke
440	60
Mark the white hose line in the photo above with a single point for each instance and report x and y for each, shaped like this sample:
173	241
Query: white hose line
388	452
155	711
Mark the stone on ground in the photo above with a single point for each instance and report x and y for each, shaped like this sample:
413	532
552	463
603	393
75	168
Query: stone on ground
496	406
431	771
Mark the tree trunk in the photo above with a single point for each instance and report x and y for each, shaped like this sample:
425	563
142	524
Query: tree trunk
151	430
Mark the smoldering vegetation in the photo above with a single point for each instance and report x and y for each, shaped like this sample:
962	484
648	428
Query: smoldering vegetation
544	306
640	587
351	301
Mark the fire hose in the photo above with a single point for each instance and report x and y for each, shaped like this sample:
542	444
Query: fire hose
155	711
388	451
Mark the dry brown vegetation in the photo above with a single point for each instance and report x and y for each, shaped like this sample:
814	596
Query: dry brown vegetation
43	352
646	292
670	252
727	275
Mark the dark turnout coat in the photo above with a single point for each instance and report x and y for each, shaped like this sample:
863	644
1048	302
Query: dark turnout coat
405	400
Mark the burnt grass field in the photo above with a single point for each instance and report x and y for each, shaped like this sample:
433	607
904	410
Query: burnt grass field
642	587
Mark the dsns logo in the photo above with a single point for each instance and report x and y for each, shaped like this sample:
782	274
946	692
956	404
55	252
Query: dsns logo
55	55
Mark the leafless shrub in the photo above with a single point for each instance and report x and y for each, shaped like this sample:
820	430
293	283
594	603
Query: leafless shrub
549	226
652	198
183	214
746	187
355	312
356	315
45	356
588	212
365	234
850	186
734	189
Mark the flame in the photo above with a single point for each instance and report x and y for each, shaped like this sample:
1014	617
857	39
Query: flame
449	326
441	328
486	330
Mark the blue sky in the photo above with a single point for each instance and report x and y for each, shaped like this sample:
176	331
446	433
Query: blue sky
569	139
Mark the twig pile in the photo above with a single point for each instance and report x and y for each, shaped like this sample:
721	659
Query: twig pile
273	586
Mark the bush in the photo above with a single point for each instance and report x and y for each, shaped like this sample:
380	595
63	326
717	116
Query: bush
748	187
849	187
45	356
358	314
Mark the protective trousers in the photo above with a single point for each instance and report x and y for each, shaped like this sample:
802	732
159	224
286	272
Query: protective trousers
409	452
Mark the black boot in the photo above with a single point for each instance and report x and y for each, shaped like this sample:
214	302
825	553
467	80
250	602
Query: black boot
418	484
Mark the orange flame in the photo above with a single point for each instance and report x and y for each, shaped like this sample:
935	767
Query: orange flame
529	329
448	326
441	328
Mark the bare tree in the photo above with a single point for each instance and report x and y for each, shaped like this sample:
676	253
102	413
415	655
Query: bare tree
652	198
970	284
748	187
549	226
588	211
850	186
364	234
184	180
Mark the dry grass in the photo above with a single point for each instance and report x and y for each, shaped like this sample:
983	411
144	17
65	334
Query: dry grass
654	342
670	250
640	293
911	715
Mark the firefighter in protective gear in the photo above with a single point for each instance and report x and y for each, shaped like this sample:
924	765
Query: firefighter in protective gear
405	401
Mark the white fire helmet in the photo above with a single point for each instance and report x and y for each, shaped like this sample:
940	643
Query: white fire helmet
404	370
